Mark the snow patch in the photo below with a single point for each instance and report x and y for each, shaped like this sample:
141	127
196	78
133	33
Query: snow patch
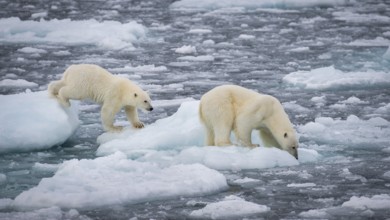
17	83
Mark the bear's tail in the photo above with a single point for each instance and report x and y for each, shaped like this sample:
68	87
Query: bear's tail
54	87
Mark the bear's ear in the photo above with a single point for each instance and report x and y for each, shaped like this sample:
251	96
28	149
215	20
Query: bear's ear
285	135
135	95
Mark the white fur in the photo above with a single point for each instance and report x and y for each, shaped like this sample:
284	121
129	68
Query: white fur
88	81
233	108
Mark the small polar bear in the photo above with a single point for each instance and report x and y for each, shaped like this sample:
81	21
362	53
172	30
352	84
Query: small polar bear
230	107
88	81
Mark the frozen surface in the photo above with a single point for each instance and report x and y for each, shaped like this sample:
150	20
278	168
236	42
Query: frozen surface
179	139
331	78
34	121
352	130
14	30
229	207
114	180
213	4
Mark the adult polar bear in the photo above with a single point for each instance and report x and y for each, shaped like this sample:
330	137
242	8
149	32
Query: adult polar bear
88	81
229	107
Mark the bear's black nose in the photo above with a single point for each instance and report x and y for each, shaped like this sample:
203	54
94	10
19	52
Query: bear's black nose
151	109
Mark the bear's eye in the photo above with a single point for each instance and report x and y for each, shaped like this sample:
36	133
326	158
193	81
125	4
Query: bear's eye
285	135
146	101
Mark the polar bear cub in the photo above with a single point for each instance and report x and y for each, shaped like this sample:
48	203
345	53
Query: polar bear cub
88	81
233	108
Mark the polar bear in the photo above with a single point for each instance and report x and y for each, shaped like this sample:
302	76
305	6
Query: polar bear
88	81
230	107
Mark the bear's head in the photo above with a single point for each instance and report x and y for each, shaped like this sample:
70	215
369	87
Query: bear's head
142	100
280	129
288	141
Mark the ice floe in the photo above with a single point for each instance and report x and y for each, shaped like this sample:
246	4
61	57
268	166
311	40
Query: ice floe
70	32
114	179
179	139
352	131
230	207
331	78
253	4
34	121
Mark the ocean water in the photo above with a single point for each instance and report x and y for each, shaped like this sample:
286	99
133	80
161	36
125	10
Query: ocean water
327	61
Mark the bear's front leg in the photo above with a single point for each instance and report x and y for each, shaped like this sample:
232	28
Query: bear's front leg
132	116
108	113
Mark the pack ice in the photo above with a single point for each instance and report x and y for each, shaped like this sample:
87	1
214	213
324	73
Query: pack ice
34	121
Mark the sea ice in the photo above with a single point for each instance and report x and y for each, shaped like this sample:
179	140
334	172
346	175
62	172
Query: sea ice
115	180
331	78
197	58
376	202
253	4
350	132
15	30
179	139
32	121
17	83
186	49
229	207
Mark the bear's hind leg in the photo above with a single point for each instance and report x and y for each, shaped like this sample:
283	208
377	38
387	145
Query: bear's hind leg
209	136
64	94
222	133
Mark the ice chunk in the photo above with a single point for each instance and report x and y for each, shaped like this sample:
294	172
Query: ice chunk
365	18
14	30
377	42
31	50
32	121
17	83
331	78
172	133
45	213
197	58
230	207
376	202
246	37
250	4
351	132
179	139
237	158
200	31
114	180
301	185
186	49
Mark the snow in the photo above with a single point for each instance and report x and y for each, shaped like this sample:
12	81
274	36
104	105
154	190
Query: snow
186	49
229	207
114	180
352	131
179	139
331	78
70	32
376	202
40	120
17	83
253	4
